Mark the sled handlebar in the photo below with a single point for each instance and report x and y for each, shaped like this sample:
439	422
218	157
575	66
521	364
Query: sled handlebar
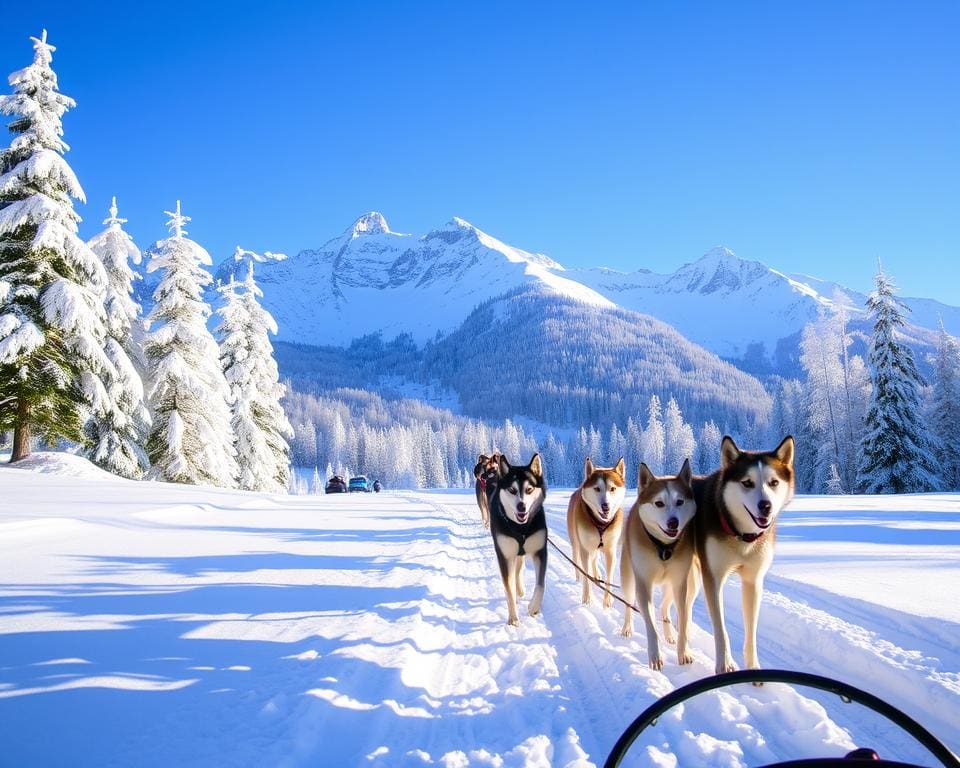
847	693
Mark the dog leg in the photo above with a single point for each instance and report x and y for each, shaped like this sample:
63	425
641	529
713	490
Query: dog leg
507	573
540	565
645	603
665	603
713	590
518	576
684	612
628	583
608	569
588	561
752	594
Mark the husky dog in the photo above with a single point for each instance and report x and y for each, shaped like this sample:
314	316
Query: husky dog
518	524
485	473
595	522
737	508
657	548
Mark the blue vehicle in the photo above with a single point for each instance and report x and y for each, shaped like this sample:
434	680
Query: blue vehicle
359	483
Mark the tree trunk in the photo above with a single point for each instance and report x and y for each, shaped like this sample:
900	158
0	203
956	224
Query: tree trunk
21	432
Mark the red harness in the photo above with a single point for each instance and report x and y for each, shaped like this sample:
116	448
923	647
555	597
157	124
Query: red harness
727	525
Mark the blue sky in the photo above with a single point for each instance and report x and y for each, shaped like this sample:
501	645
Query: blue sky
813	136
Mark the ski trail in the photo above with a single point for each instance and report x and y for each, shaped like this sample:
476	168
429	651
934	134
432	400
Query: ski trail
732	730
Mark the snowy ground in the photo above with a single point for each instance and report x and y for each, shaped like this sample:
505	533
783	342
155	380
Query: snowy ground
154	625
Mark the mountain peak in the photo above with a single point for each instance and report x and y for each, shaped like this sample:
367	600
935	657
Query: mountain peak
371	223
718	254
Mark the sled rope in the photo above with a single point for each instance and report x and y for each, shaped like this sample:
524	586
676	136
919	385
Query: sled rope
599	582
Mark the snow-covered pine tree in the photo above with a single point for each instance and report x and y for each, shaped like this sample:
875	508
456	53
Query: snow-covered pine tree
191	440
945	408
117	433
51	317
259	424
896	449
654	445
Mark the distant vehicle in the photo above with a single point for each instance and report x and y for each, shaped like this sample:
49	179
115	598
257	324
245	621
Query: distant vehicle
359	483
377	486
336	484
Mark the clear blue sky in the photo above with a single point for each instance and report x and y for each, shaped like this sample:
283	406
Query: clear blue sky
813	136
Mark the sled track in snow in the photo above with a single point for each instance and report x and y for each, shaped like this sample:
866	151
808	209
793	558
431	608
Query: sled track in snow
604	679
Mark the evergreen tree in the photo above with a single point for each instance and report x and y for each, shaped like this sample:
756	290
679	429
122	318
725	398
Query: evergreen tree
117	433
945	408
316	484
259	424
708	448
51	317
191	440
654	444
895	456
679	442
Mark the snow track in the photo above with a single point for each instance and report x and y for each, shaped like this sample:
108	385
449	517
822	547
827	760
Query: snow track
160	625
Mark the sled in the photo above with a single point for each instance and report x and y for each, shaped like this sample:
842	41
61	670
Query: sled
863	757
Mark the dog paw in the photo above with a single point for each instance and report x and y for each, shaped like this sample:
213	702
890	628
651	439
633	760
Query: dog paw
608	602
684	658
513	622
669	635
520	592
727	666
656	662
626	632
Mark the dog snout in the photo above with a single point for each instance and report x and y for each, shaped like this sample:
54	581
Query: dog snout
672	524
521	507
764	507
605	507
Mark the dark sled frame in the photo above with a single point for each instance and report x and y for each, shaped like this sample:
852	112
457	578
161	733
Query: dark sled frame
847	694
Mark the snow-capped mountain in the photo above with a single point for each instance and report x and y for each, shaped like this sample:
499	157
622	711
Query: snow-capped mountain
372	279
743	309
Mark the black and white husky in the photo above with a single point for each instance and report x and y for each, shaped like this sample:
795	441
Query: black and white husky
737	508
519	527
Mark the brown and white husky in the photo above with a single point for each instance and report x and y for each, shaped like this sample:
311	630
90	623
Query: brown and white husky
659	547
595	522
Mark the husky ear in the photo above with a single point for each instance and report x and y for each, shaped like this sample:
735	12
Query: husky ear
729	452
587	469
685	474
621	468
645	478
536	465
784	452
482	458
504	465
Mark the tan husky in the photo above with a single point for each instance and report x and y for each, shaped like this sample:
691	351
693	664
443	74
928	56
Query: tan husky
737	508
595	522
658	547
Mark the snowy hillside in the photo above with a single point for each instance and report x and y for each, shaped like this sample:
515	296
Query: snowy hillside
153	625
371	279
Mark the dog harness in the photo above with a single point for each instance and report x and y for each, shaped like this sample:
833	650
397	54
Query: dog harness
512	530
664	551
601	529
727	524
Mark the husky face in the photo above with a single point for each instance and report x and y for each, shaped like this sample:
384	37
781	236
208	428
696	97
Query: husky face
756	485
521	490
666	504
603	489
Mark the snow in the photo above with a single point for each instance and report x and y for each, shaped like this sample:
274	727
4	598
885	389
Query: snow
148	624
